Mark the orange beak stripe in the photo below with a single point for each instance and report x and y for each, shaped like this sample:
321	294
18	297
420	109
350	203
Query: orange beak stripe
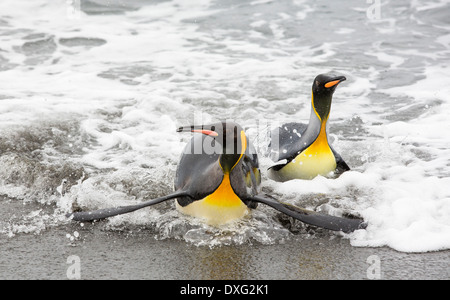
331	83
207	132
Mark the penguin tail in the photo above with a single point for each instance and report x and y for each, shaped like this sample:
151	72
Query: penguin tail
311	217
104	213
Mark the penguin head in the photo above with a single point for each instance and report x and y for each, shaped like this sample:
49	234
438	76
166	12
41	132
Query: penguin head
322	92
228	140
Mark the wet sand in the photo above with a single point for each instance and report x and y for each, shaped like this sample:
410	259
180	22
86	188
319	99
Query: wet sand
137	254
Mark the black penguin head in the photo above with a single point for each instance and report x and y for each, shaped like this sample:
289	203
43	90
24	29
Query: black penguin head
322	89
227	139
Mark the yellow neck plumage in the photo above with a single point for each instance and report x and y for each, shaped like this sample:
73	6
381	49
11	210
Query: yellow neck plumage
224	195
220	207
317	159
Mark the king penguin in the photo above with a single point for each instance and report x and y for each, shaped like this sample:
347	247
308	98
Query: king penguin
218	180
220	167
303	151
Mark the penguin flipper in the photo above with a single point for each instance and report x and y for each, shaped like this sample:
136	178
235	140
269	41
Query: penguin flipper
311	217
286	143
104	213
341	165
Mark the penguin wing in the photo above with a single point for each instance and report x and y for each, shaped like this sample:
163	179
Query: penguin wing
197	176
311	217
286	143
246	177
341	165
251	168
104	213
198	173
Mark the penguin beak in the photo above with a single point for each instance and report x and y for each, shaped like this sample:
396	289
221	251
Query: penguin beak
335	81
199	129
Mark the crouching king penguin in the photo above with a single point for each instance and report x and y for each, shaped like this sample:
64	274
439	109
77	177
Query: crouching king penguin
217	180
303	151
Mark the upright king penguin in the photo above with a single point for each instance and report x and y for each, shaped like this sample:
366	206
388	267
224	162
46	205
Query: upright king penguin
303	151
217	179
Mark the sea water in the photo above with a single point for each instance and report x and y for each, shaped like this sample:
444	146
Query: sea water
91	94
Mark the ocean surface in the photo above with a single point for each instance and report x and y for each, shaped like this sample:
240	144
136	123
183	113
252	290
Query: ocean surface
92	91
